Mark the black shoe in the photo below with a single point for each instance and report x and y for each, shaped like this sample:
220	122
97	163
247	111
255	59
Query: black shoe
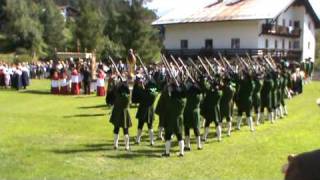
187	149
181	155
115	148
165	155
200	148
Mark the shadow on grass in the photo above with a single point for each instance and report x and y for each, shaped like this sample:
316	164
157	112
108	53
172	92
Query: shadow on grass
84	115
94	107
91	148
37	92
137	154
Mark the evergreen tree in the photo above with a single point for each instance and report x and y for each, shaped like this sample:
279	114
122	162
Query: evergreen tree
142	37
90	27
23	27
53	25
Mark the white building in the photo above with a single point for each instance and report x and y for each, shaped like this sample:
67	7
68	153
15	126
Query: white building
283	28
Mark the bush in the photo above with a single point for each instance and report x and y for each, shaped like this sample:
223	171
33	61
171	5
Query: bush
22	51
23	58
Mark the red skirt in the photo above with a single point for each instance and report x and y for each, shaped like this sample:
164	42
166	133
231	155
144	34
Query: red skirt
101	91
55	90
64	90
75	89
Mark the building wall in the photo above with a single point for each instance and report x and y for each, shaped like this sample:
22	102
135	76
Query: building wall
220	32
249	33
309	38
291	14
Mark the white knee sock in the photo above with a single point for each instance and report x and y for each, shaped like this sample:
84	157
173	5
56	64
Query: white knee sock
151	136
206	132
229	128
138	140
116	140
199	145
258	116
127	142
218	129
181	147
167	147
187	142
239	122
250	123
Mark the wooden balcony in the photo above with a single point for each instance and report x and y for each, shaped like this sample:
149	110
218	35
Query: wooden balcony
230	53
277	30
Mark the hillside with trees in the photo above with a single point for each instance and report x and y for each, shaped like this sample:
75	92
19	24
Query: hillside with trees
110	27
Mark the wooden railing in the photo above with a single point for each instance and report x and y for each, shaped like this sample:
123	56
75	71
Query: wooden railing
193	53
272	29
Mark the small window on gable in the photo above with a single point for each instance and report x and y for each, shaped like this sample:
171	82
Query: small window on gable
235	43
296	45
266	43
309	25
184	44
290	45
290	23
296	24
309	45
209	43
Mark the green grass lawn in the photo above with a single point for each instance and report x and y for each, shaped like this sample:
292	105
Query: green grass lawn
54	137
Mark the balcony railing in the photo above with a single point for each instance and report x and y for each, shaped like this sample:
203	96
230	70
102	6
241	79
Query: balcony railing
272	29
229	53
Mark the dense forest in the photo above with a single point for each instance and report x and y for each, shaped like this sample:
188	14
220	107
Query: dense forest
109	27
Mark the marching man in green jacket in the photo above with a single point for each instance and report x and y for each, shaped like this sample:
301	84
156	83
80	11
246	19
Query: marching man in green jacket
145	113
174	120
120	117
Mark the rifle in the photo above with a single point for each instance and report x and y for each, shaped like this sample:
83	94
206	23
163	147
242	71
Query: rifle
205	68
269	63
229	65
195	66
187	71
210	65
144	67
115	66
221	58
163	58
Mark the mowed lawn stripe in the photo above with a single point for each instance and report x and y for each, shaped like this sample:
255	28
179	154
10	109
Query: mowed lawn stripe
68	137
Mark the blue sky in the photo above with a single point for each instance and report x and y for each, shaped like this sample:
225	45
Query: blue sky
164	6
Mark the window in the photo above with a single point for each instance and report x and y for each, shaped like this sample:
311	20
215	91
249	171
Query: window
309	45
283	43
235	43
296	24
276	44
266	44
296	45
209	43
290	23
309	25
184	44
290	45
283	22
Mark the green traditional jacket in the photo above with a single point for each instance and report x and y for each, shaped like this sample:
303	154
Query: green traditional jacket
174	119
145	111
120	116
266	97
192	110
210	107
226	103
